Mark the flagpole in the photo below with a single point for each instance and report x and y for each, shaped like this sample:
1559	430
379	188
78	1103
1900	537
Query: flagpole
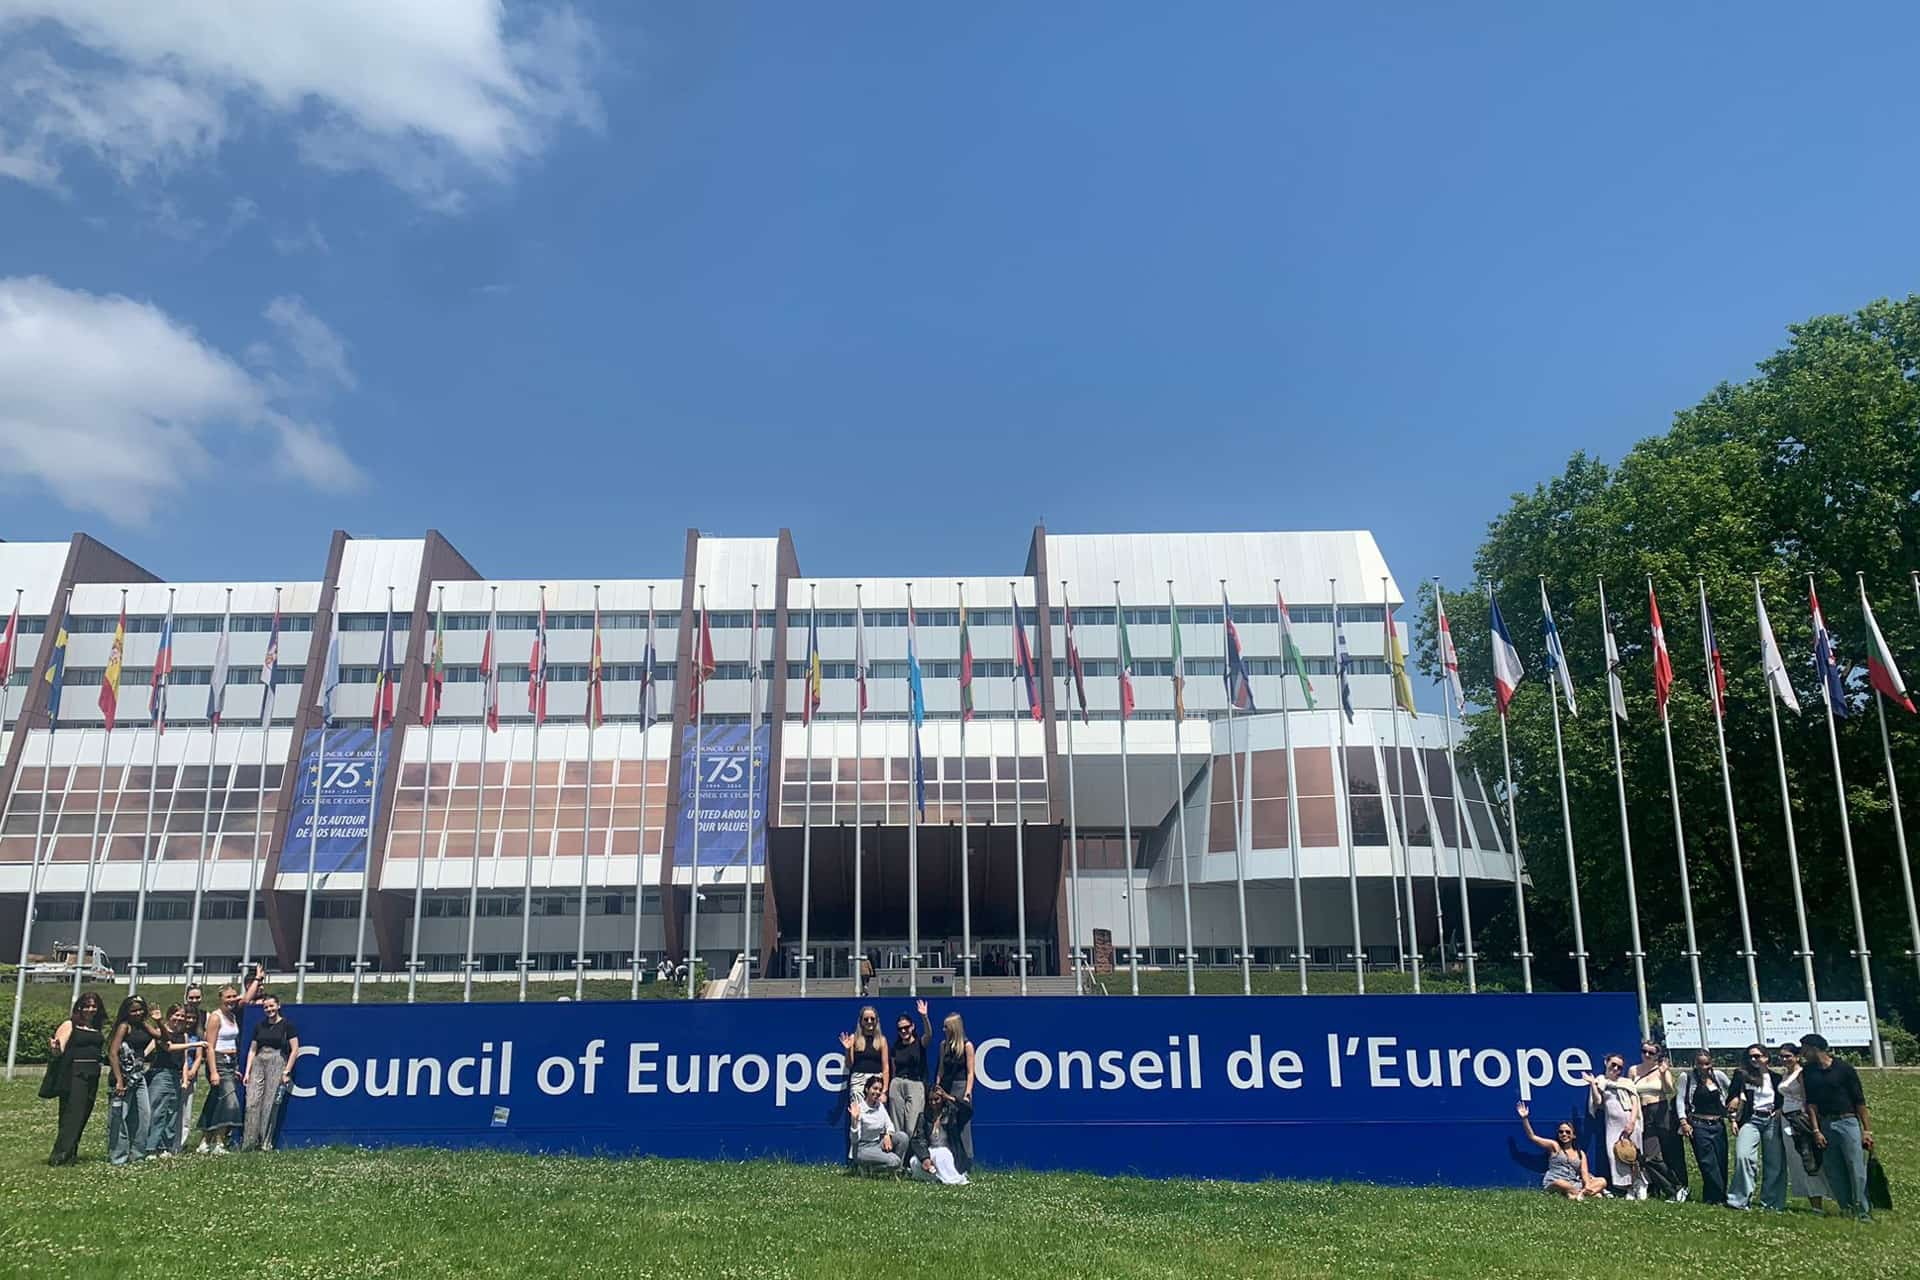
1421	777
1243	817
1638	955
1346	800
381	690
1805	954
859	782
753	729
1680	850
313	858
488	716
216	699
267	672
1020	810
1525	954
807	713
586	825
1853	879
699	768
1459	804
640	857
966	885
1400	931
1293	807
1893	801
1179	782
159	715
39	846
1733	825
426	794
80	964
1560	672
1126	816
1073	810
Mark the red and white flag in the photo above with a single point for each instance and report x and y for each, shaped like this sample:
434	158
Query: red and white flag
1662	660
860	655
537	667
1882	673
1449	657
6	644
703	664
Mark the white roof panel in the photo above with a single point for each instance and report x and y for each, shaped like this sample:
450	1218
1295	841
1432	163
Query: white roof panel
1197	562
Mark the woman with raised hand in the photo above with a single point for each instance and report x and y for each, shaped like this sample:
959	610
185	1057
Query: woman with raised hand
1654	1080
1614	1097
1567	1173
934	1153
164	1076
78	1045
130	1115
867	1054
877	1144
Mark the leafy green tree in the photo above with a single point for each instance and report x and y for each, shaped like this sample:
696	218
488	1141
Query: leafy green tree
1811	467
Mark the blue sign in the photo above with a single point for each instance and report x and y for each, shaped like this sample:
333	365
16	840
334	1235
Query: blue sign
730	818
346	806
1401	1089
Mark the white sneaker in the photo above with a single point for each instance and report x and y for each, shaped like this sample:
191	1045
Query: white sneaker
266	1146
203	1148
220	1150
166	1155
1680	1196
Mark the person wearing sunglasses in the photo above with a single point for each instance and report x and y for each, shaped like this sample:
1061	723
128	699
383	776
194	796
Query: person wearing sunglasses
1567	1173
1654	1081
78	1047
907	1094
1613	1097
1805	1176
1705	1101
1759	1150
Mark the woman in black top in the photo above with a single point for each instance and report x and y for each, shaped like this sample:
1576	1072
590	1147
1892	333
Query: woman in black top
955	1079
867	1053
77	1048
130	1116
1705	1101
276	1042
907	1055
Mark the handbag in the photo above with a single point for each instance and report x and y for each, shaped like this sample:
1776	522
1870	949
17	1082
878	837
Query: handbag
1800	1126
1624	1152
1879	1191
54	1082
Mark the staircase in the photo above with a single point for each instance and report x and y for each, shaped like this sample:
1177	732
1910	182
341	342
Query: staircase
841	988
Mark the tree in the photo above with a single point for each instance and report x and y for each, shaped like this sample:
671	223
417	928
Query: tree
1812	467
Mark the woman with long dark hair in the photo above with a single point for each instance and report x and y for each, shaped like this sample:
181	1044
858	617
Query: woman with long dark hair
130	1115
1705	1102
1806	1174
78	1045
1567	1173
1613	1097
1759	1145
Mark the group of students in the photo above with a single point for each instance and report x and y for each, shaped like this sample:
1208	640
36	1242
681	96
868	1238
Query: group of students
1798	1124
909	1105
154	1063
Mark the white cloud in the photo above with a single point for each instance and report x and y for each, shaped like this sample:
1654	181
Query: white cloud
427	93
114	406
307	240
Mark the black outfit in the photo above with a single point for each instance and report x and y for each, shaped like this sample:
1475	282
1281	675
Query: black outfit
1834	1090
953	1081
1707	1112
910	1060
80	1064
866	1061
278	1036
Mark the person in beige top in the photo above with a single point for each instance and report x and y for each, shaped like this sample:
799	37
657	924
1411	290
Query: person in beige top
1655	1083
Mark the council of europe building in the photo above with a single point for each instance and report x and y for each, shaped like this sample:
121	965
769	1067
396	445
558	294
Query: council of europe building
219	815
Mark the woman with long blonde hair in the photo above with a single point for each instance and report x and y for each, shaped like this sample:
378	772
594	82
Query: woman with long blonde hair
955	1082
867	1054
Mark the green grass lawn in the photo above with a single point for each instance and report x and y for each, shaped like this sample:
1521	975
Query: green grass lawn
339	1213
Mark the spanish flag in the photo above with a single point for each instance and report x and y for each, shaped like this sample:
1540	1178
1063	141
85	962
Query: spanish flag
110	680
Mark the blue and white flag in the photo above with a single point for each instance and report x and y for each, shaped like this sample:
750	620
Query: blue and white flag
1826	663
269	665
1556	656
917	712
330	673
217	687
1343	662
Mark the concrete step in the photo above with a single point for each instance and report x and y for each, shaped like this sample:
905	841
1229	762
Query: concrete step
840	988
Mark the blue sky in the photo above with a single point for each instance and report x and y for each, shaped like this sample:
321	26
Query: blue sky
903	278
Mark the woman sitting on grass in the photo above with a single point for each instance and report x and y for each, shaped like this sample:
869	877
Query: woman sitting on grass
936	1156
1567	1174
876	1143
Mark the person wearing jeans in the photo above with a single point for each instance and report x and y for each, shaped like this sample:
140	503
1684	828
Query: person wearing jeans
1704	1103
276	1042
1843	1128
1759	1147
130	1114
164	1075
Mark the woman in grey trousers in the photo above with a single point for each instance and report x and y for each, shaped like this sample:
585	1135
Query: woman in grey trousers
276	1042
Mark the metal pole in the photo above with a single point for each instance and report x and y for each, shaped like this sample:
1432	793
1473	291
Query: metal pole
1638	955
1686	887
1420	777
966	877
313	860
1180	787
859	782
1020	823
640	856
1793	848
1893	803
808	711
259	796
1733	826
586	826
1853	879
1345	818
373	812
1566	822
1293	809
1402	934
699	767
1459	808
753	732
426	793
488	691
93	848
1525	954
914	784
1126	816
158	727
33	879
533	808
1073	815
1243	825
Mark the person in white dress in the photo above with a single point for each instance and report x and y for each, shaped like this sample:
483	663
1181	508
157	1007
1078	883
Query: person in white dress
1800	1132
1614	1097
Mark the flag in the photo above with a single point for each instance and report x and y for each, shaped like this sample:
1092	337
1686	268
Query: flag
433	681
383	679
1125	663
269	666
703	665
649	688
1397	666
1882	674
490	680
1179	664
1075	672
1772	665
110	679
1710	646
1343	663
811	697
217	687
162	675
916	712
1023	665
1557	671
6	645
1826	663
596	705
537	667
1290	652
330	673
966	667
56	673
1507	670
1662	660
1616	692
1239	681
860	658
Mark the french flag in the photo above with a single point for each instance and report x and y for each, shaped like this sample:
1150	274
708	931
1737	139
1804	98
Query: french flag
1882	673
1507	670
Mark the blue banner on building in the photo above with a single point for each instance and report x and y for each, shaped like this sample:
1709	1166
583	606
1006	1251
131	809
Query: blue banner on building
727	812
346	807
1402	1089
